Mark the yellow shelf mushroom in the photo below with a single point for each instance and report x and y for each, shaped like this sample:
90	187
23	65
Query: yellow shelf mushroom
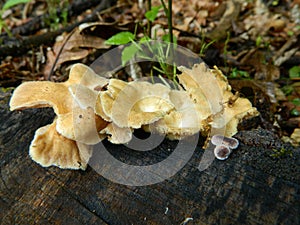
90	108
72	123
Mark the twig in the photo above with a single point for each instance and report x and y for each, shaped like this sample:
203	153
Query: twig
59	53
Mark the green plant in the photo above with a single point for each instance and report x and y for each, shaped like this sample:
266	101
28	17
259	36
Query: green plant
53	20
121	38
258	41
236	73
8	4
275	2
151	14
135	49
261	43
168	12
287	89
296	101
294	111
204	45
294	72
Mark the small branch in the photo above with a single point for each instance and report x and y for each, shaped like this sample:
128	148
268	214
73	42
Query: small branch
59	53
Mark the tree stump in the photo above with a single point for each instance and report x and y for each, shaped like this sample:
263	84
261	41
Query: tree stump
250	187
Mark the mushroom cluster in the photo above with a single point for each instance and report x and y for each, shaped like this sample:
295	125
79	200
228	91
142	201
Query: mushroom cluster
224	146
90	108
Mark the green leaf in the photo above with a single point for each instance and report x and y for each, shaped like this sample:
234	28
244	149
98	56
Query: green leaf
166	38
236	73
296	101
128	53
258	41
287	90
11	3
290	33
295	112
121	38
152	14
294	72
145	39
1	26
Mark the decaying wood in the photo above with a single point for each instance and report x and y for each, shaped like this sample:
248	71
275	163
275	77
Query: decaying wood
249	188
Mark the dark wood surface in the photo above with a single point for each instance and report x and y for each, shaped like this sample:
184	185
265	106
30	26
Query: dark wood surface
249	188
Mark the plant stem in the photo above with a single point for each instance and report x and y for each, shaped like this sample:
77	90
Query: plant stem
168	12
170	26
170	56
149	22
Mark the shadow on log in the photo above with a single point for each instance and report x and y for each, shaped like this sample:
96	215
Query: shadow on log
249	188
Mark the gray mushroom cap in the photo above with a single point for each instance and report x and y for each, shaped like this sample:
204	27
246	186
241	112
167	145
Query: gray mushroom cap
230	142
222	152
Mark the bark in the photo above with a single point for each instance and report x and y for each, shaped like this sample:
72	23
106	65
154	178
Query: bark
249	188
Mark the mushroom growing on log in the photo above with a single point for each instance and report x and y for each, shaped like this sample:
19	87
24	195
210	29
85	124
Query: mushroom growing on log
86	113
51	146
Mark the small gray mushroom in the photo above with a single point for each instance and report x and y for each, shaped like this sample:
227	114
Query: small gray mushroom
222	152
230	142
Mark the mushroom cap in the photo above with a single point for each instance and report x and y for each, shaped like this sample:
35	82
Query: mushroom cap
99	109
86	76
38	94
136	103
50	148
117	135
232	115
210	91
230	142
202	84
222	152
86	97
55	144
181	121
108	97
72	122
81	125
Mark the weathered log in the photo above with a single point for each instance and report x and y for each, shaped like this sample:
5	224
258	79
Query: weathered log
251	187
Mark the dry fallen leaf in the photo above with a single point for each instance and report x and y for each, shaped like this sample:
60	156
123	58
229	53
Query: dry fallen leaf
73	46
